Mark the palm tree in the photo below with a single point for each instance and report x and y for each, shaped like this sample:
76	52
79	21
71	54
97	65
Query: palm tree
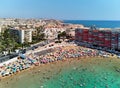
63	34
58	37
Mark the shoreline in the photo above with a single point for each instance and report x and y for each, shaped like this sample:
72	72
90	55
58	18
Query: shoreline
61	53
59	61
56	62
49	70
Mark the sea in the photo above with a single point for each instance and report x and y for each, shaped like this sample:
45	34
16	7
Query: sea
97	23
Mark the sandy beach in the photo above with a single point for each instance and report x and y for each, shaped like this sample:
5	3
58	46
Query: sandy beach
39	74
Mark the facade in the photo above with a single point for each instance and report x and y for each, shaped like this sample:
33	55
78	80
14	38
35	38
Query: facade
106	38
52	33
22	35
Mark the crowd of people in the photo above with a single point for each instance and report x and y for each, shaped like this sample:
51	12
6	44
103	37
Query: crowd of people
58	53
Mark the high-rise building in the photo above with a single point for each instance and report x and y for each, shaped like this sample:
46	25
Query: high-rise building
22	35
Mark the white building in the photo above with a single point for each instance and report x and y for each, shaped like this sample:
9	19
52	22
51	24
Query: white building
52	33
22	34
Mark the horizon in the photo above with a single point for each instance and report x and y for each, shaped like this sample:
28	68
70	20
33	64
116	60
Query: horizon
60	19
61	10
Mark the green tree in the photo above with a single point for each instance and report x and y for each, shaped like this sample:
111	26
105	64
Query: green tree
2	47
63	34
40	35
8	42
26	43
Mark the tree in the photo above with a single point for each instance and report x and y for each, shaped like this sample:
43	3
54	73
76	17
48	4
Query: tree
2	47
7	41
40	35
58	37
26	43
63	34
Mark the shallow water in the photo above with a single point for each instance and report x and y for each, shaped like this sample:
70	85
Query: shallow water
86	73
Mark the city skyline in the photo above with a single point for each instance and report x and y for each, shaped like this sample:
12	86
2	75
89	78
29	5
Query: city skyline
61	9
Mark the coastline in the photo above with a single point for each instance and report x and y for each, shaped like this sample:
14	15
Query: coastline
60	62
98	23
62	52
33	67
44	71
72	56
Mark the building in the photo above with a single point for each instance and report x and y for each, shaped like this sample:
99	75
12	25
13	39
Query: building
22	35
105	38
0	29
52	33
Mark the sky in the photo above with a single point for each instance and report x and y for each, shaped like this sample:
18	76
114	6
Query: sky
61	9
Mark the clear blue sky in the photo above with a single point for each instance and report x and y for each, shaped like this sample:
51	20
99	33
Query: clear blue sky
61	9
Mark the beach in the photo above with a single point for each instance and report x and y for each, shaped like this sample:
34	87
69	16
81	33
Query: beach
42	76
65	66
48	55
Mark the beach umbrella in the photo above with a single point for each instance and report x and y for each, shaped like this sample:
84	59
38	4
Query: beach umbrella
22	56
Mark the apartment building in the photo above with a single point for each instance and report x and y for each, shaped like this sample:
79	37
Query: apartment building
22	35
52	33
108	38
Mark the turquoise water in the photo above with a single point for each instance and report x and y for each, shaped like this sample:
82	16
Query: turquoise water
86	77
90	73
